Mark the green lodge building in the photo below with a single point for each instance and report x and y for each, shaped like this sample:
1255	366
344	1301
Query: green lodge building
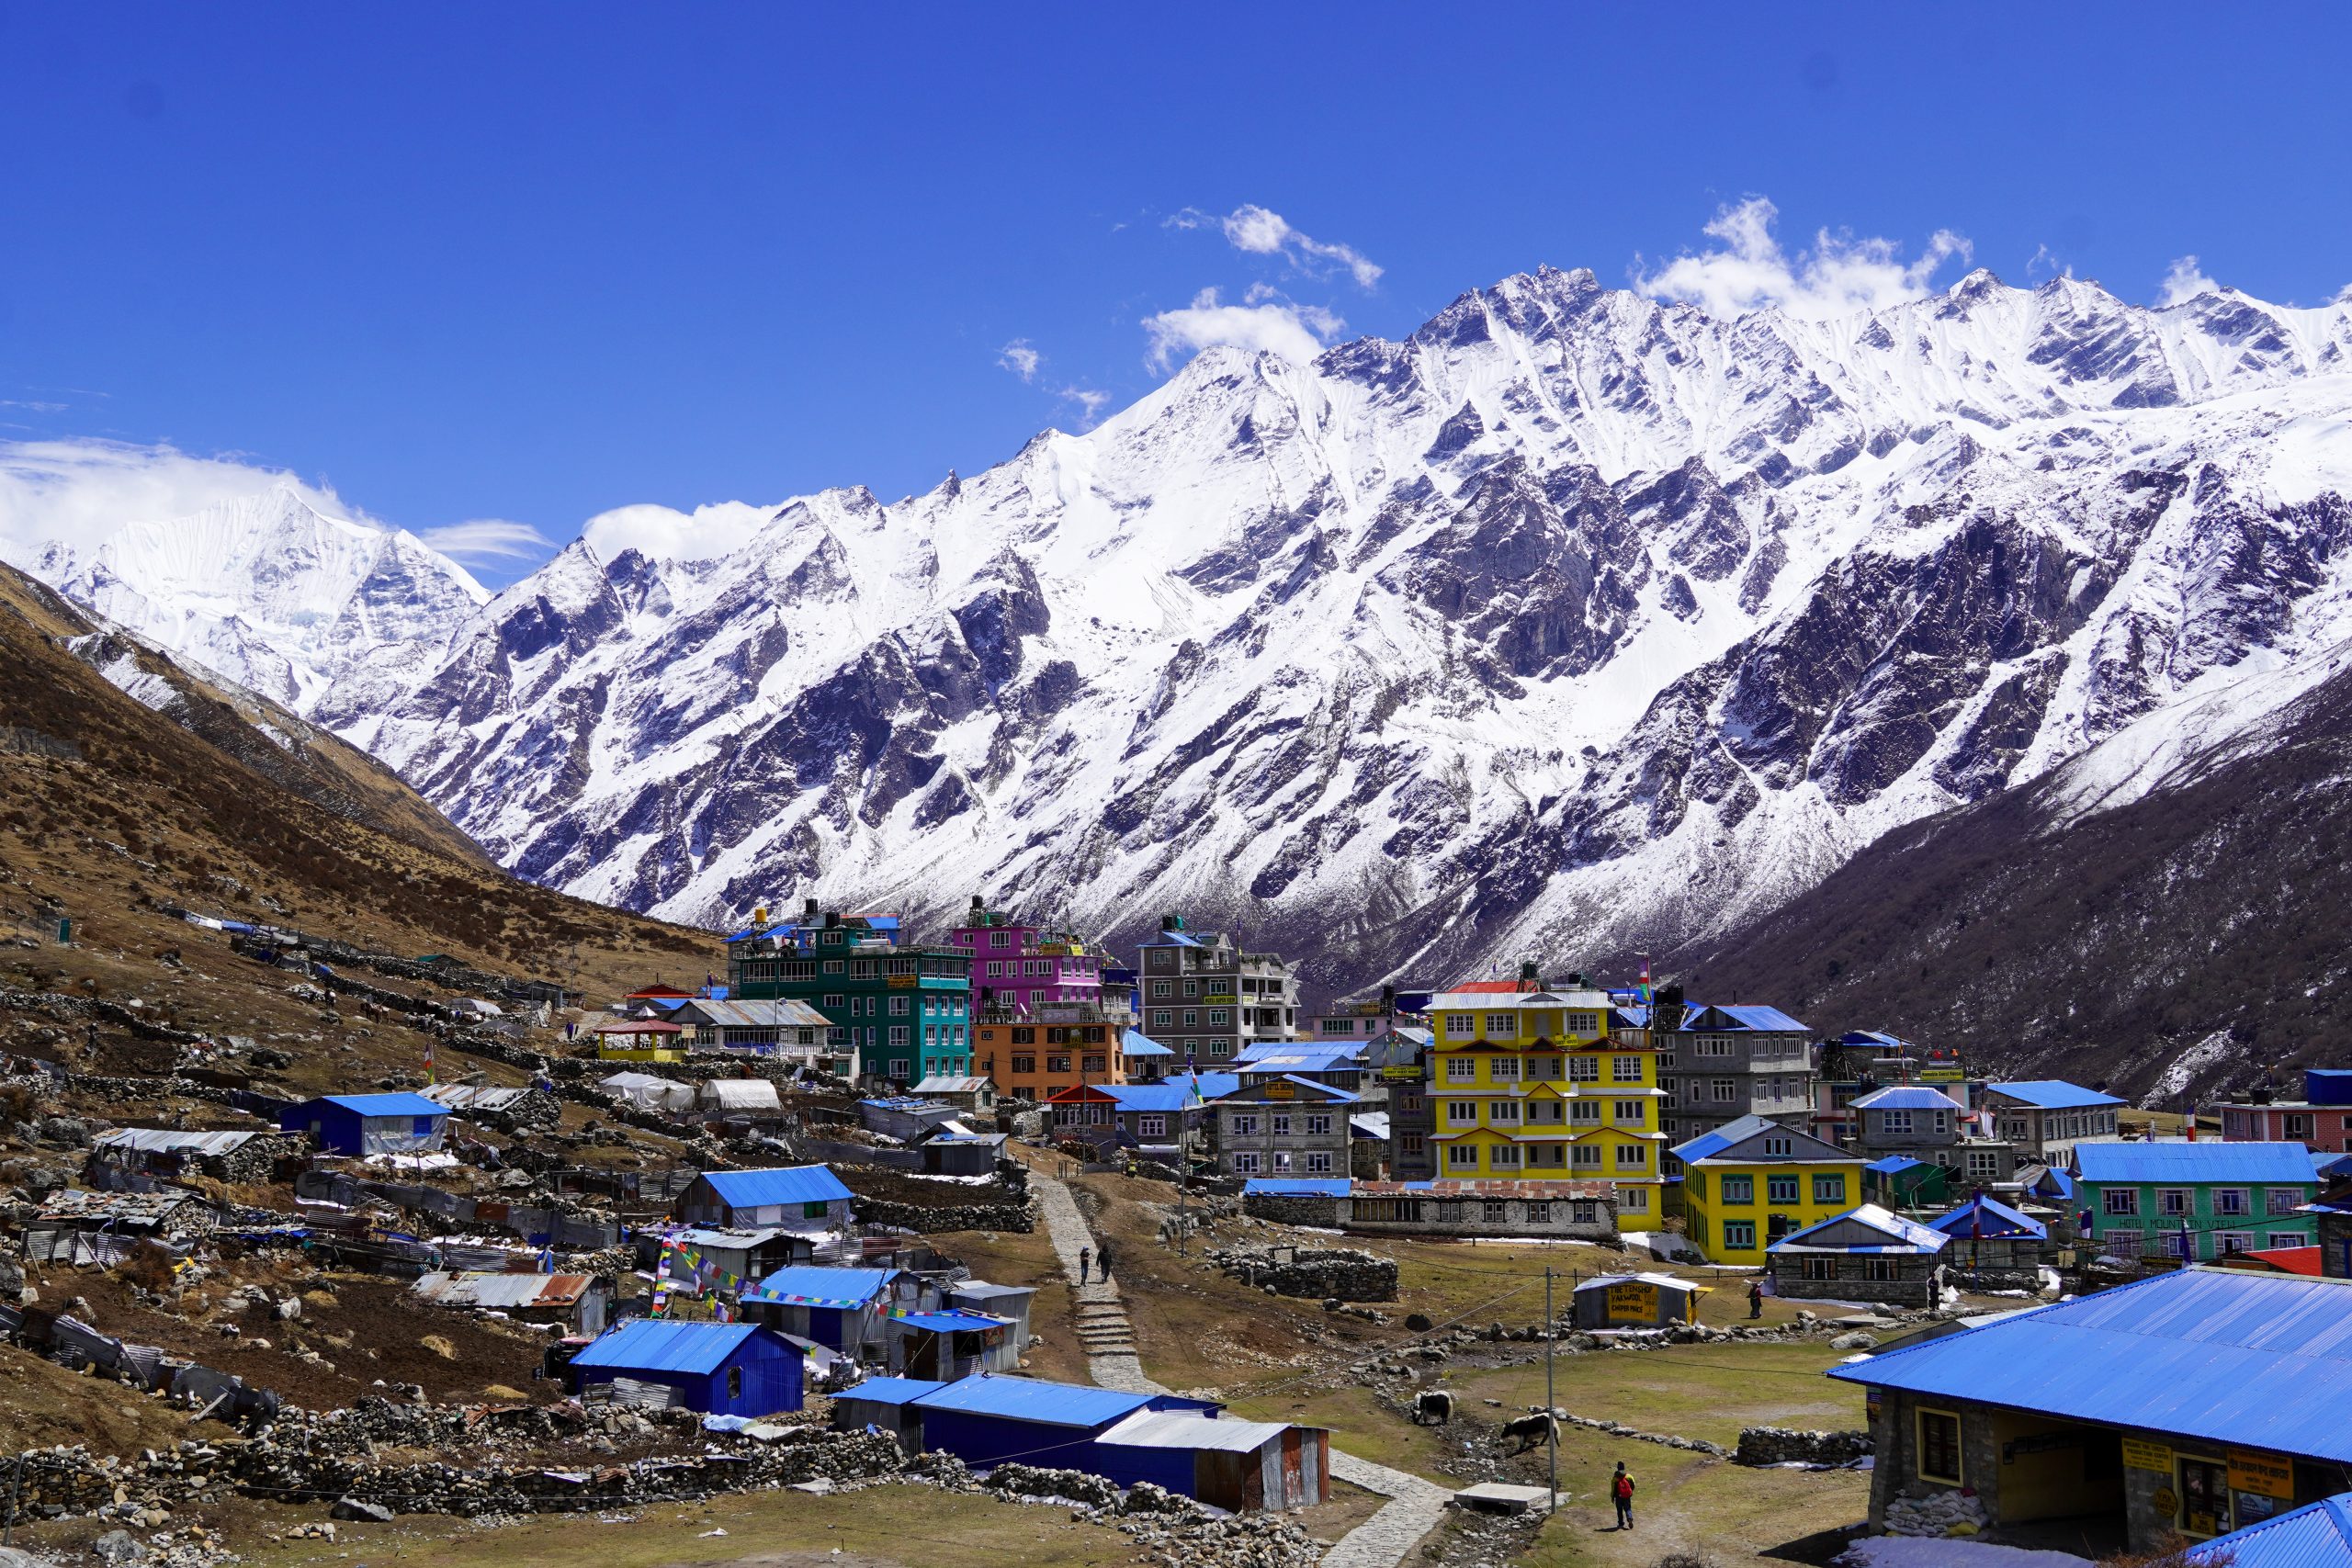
903	1012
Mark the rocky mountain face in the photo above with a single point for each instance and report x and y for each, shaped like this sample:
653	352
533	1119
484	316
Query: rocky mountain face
1574	625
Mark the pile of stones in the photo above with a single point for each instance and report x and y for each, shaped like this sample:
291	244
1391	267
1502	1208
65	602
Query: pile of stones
1936	1513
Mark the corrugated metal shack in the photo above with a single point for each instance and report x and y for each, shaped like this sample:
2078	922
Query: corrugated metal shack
369	1123
804	1197
841	1309
169	1154
721	1369
577	1303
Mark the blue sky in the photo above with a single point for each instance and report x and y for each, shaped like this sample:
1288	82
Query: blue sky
529	262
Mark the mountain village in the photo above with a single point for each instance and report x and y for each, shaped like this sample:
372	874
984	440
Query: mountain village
1138	1244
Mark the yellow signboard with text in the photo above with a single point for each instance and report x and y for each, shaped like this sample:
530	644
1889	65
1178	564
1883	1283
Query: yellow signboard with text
1633	1302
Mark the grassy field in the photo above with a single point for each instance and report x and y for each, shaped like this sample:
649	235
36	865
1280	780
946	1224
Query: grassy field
1687	1503
1011	1258
1690	1391
913	1526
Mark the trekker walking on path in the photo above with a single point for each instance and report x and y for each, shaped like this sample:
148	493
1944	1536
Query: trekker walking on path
1621	1492
1755	1298
1102	1265
1085	1256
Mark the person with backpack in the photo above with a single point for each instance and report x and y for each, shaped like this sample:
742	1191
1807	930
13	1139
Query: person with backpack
1102	1263
1621	1492
1754	1299
1085	1257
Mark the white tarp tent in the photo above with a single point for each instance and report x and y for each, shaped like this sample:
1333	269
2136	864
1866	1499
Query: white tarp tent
652	1094
740	1096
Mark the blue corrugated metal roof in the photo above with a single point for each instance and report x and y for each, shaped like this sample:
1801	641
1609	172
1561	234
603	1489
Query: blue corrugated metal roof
1033	1399
658	1345
891	1390
1297	1186
1902	1236
1737	1019
2054	1094
1328	1095
953	1320
387	1104
1893	1165
1290	1054
788	1184
2223	1354
1986	1218
2317	1535
1169	1094
1907	1096
1722	1138
810	1285
1136	1042
2287	1164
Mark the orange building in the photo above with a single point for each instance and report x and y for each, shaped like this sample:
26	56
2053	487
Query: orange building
1056	1045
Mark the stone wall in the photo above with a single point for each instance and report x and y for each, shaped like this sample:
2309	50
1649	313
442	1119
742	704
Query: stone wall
1323	1213
1784	1445
1327	1274
926	1219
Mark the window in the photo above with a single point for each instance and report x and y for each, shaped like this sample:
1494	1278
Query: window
1586	1154
1584	1212
2286	1239
1538	1214
1319	1126
1634	1200
1983	1163
1220	1018
2230	1200
734	1383
2228	1242
1584	1023
1820	1268
1829	1189
899	1067
1884	1269
1632	1157
1781	1189
1503	1069
1781	1146
1502	1025
1280	1125
1162	1018
1024	1034
1584	1069
1058	1064
1151	1126
1894	1121
1191	987
1191	1018
2172	1202
833	998
1319	1165
1626	1113
1939	1445
1503	1156
1544	1069
1712	1045
1096	1063
1723	1090
1413	1143
1244	1165
1586	1111
2120	1200
2285	1200
1245	1126
1282	1162
1739	1189
1625	1069
1502	1110
1739	1235
1496	1212
1461	1069
898	1008
1159	989
1460	1026
1462	1111
901	1034
1461	1156
2122	1244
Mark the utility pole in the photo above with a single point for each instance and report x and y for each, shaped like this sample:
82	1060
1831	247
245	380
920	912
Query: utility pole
1551	1418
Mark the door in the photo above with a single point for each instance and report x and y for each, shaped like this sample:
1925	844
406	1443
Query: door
2204	1498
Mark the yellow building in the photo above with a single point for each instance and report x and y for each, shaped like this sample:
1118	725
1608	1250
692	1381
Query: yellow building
1549	1086
1752	1181
639	1040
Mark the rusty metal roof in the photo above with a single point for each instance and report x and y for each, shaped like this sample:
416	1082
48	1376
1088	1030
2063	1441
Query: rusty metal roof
484	1289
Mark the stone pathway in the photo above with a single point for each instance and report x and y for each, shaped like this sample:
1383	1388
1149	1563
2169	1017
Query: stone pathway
1414	1505
1413	1509
1108	1338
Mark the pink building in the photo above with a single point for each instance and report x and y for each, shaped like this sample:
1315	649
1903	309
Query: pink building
2320	1120
1020	965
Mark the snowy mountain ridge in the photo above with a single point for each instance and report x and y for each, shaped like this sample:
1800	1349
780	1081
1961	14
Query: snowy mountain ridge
1574	624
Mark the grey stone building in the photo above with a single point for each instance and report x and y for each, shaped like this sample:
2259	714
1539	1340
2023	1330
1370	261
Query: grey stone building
1719	1064
1207	999
1400	1062
1929	1125
1283	1127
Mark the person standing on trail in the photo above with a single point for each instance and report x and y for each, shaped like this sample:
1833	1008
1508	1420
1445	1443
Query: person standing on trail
1621	1492
1085	1256
1102	1265
1755	1298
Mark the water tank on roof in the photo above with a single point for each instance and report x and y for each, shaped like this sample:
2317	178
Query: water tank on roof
2328	1086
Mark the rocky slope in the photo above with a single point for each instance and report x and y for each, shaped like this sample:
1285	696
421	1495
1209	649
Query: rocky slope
1574	625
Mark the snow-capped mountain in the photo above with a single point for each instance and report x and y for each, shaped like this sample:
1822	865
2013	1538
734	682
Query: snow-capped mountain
1573	625
332	618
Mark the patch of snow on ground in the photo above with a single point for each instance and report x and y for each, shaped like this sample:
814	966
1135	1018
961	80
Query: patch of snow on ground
2208	1052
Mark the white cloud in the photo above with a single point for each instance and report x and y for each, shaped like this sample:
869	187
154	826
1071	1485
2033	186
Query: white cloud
665	533
1265	233
1019	358
1091	402
2183	282
487	539
83	491
2343	295
1295	331
1750	271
